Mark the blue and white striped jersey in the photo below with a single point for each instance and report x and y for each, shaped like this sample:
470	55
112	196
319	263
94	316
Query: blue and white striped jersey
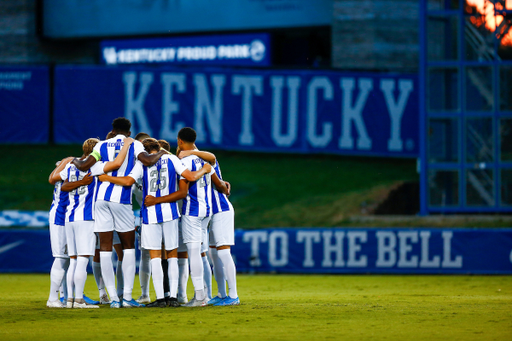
81	200
220	202
198	202
159	180
108	151
59	204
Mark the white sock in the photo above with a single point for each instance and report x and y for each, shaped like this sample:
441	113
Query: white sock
174	274
96	270
196	269
107	272
70	277
218	272
56	277
128	273
183	279
144	272
119	278
207	276
80	276
64	286
158	277
229	271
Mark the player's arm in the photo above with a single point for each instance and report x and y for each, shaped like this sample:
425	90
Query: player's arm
149	160
181	193
70	186
220	185
118	161
87	163
206	156
121	180
194	176
55	174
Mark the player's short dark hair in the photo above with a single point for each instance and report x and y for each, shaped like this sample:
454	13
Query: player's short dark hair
187	134
165	145
142	136
121	125
151	144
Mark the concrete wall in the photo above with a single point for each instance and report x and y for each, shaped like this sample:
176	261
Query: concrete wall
375	35
19	42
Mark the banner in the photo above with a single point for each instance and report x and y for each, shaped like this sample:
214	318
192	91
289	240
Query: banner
24	104
333	250
74	18
237	109
393	251
227	49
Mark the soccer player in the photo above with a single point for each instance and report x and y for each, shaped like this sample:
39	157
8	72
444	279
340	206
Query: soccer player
114	204
196	212
160	213
57	217
80	218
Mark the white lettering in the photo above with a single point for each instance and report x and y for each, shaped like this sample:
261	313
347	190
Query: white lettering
329	248
396	109
293	84
171	107
425	261
406	247
386	250
255	238
447	252
272	248
308	238
247	85
213	112
317	83
136	105
354	247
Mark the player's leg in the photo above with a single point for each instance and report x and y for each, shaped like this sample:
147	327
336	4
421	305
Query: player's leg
219	276
70	239
171	237
207	270
182	267
152	240
116	244
85	240
96	270
165	268
225	237
104	226
60	264
125	227
144	271
192	236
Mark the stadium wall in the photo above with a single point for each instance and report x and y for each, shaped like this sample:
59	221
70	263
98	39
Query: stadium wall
328	251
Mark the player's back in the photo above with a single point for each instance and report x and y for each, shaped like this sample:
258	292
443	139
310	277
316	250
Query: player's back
220	202
59	205
198	201
81	199
108	151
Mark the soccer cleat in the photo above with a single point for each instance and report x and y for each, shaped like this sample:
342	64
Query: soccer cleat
215	300
228	301
80	303
172	302
55	304
196	303
63	300
157	304
90	301
131	304
144	299
69	304
115	304
182	299
104	299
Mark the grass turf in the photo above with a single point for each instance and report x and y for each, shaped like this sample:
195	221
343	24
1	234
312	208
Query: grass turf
280	307
268	189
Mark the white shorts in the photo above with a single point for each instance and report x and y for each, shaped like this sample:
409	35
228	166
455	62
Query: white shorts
204	242
222	229
112	216
58	241
81	238
115	239
192	228
154	234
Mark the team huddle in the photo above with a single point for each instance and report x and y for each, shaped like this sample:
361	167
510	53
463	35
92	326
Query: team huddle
185	216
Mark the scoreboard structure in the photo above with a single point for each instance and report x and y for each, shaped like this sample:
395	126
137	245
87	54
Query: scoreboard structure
465	106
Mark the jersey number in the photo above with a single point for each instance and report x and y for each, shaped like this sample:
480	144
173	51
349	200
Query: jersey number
205	180
80	190
158	180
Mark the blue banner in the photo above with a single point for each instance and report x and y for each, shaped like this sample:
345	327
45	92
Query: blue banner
24	104
333	250
393	251
236	109
231	50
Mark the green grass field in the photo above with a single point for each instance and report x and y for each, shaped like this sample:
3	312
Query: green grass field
280	307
